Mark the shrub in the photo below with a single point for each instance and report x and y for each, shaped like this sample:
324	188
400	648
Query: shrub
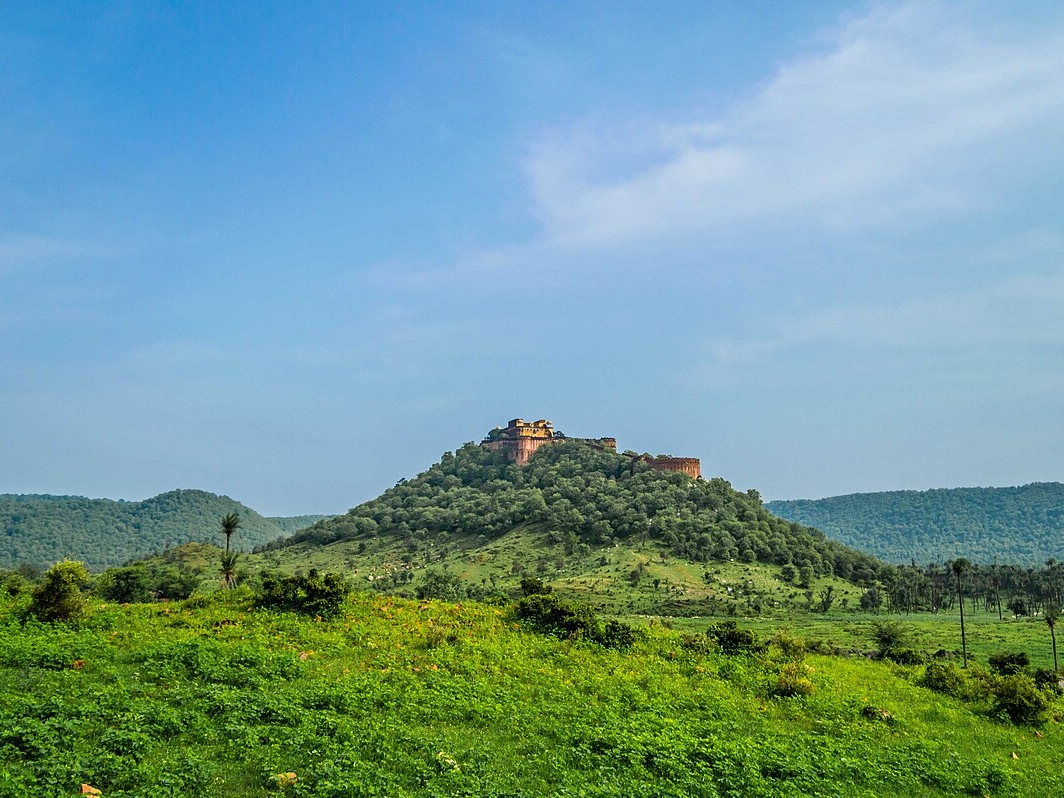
1007	663
1017	696
58	596
789	644
889	636
13	583
311	594
904	656
531	586
732	639
793	680
1047	679
945	678
441	585
617	635
549	614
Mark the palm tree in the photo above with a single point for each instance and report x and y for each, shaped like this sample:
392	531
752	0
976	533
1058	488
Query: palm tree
230	524
229	569
961	565
1052	614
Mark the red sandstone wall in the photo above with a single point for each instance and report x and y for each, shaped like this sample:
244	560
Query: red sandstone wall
684	465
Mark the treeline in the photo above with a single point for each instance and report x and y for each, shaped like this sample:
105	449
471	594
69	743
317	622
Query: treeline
1022	525
1002	589
36	531
589	498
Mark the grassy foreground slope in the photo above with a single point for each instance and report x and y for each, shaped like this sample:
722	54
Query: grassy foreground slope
39	529
404	698
1023	525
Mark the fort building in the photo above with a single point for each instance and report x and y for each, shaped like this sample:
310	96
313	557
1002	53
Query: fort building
520	439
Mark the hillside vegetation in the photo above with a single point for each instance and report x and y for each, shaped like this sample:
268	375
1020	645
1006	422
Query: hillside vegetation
1023	525
38	530
586	497
217	697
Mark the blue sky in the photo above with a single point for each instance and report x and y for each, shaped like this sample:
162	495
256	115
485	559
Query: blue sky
292	252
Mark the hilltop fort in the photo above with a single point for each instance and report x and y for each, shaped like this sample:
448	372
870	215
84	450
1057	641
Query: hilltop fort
520	439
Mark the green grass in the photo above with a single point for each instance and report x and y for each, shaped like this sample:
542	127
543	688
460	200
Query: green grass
598	576
405	698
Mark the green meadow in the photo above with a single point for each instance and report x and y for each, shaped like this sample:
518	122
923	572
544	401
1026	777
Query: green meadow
399	697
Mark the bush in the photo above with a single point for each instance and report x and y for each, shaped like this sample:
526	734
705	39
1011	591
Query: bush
1017	696
531	586
310	595
945	678
617	635
789	644
58	596
549	614
793	680
732	639
1047	679
441	585
889	636
1007	663
904	656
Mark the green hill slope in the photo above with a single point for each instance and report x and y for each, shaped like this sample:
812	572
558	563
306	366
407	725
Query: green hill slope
596	521
39	530
1023	525
212	697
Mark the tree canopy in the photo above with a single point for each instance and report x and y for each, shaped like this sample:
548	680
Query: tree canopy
1022	525
594	498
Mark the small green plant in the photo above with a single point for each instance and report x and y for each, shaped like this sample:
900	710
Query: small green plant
58	596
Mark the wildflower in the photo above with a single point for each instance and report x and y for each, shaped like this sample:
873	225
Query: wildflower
88	789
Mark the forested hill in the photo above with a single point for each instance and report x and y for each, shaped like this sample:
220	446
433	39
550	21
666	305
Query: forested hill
1023	525
586	498
39	530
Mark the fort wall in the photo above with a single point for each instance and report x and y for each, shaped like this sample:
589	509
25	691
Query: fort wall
520	439
691	466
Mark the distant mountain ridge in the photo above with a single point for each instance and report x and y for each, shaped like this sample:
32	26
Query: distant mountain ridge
1022	525
39	529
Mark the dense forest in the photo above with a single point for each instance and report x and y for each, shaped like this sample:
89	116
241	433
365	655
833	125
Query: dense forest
1023	525
589	498
38	530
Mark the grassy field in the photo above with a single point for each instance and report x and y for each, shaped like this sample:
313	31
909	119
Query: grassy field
404	698
603	577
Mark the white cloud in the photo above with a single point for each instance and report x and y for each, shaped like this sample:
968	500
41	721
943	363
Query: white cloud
1021	312
898	120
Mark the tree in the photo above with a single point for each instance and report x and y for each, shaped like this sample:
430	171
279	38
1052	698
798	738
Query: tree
58	596
1052	615
229	568
961	565
230	524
